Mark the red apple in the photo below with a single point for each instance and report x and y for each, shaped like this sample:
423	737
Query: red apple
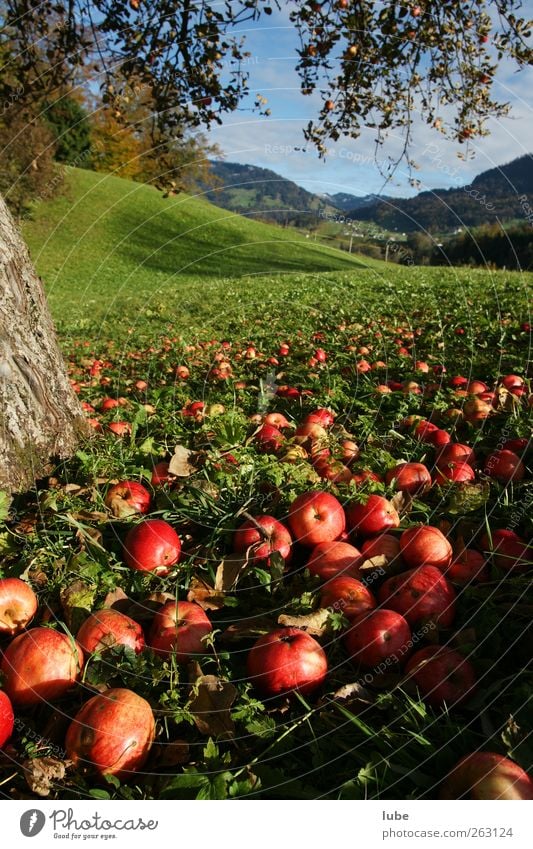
366	475
504	466
269	439
347	596
180	627
261	541
382	545
477	410
454	473
127	498
517	444
409	477
487	775
421	595
309	434
112	733
349	451
425	430
512	381
7	718
455	452
509	551
373	517
160	474
286	660
442	675
107	628
439	439
40	665
424	545
18	605
321	416
468	566
152	546
316	517
476	387
119	428
109	404
329	559
332	470
277	420
378	636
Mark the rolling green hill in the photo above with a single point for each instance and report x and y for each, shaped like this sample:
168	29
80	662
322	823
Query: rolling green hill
108	246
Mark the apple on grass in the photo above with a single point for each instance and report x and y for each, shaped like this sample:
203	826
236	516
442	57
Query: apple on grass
469	565
40	665
377	514
347	596
504	466
7	718
442	675
180	628
152	546
421	595
489	776
425	545
127	498
329	559
378	636
412	478
18	605
316	517
112	733
261	536
287	660
107	628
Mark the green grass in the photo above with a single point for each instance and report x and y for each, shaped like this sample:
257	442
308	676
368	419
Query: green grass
107	244
121	263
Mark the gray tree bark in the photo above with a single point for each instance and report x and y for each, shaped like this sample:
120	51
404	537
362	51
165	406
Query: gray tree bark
40	416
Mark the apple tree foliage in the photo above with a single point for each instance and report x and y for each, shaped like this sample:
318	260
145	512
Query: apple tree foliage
374	64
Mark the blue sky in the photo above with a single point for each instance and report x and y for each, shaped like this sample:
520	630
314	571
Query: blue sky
269	141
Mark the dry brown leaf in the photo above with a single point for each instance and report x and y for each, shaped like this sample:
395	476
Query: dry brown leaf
206	596
314	623
180	463
210	705
117	599
26	525
72	487
354	692
380	561
38	577
89	535
506	400
41	773
90	516
402	502
120	507
229	572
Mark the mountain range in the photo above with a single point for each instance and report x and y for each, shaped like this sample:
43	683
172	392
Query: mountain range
503	193
499	194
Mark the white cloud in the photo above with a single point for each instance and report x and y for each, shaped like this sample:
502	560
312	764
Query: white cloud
351	166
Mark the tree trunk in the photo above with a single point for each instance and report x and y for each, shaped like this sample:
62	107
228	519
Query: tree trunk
40	416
